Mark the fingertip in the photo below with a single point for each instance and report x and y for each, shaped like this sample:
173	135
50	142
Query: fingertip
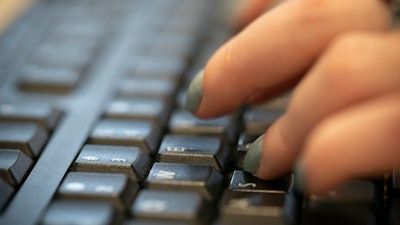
194	93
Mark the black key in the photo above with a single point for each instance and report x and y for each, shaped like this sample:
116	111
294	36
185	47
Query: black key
153	109
65	55
183	122
169	206
27	137
353	203
167	44
42	114
156	67
173	176
6	191
49	79
14	166
138	133
257	120
117	189
146	87
252	208
195	150
245	182
131	161
64	212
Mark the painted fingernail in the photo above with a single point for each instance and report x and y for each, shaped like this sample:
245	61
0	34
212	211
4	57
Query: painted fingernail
252	159
194	93
299	182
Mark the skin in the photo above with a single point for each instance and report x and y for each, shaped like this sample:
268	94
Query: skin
343	61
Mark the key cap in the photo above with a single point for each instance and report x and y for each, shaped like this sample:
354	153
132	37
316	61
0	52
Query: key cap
257	120
252	208
49	79
157	67
114	188
353	203
64	212
141	87
6	191
14	166
131	161
170	206
152	109
27	137
139	133
62	55
183	122
195	150
173	176
42	114
245	182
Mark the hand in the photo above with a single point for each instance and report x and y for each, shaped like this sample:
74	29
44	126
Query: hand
343	60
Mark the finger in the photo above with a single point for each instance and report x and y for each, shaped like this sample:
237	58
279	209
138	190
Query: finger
348	73
276	49
247	11
359	142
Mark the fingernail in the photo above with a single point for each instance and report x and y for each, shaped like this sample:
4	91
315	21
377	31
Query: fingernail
194	93
252	159
299	182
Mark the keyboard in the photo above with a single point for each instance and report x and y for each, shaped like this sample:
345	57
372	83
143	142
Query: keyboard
92	129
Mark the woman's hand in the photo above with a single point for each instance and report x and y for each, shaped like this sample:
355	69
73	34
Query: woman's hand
343	120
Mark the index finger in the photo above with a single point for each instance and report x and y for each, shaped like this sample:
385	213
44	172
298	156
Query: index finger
271	54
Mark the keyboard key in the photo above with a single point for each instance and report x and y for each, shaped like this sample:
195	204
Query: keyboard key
14	166
139	133
67	54
183	122
114	188
245	182
27	137
195	150
131	161
146	87
169	206
152	109
63	212
257	120
353	203
173	176
252	208
157	67
49	79
42	114
6	191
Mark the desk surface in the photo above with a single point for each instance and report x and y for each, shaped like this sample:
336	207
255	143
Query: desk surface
10	9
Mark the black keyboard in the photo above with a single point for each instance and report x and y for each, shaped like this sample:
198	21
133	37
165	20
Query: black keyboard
92	130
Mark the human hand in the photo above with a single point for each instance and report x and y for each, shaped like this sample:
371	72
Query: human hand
343	118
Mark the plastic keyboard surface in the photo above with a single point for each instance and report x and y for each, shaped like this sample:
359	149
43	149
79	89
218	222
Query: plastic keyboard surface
92	129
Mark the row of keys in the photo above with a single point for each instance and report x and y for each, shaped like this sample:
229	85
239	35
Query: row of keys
24	130
59	63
